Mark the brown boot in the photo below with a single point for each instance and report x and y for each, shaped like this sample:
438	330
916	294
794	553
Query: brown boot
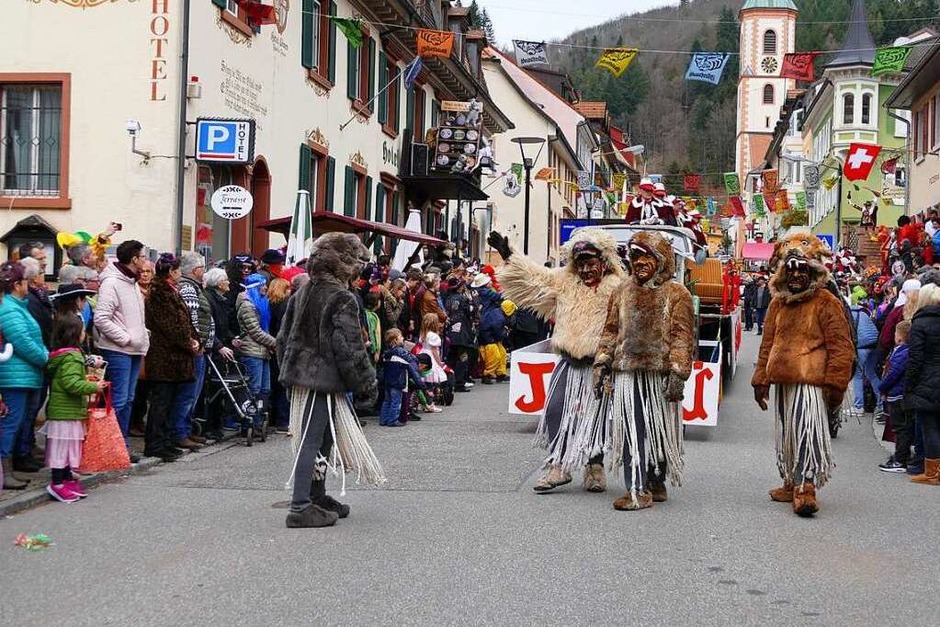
657	488
627	503
9	481
198	439
783	494
187	443
552	478
594	478
804	500
931	474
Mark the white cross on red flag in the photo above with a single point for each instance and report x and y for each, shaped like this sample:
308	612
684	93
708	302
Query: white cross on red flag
859	161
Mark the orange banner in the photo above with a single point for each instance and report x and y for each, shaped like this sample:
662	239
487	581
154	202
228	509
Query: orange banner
435	43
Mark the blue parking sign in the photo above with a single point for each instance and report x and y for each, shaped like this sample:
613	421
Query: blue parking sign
225	141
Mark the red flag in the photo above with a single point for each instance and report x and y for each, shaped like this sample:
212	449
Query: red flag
782	200
799	66
890	166
258	14
691	182
737	207
859	161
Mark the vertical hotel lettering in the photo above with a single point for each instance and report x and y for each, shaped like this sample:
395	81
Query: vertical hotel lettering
159	27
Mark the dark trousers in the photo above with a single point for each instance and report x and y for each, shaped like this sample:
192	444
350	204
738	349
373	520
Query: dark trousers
141	401
163	396
316	440
748	317
903	424
930	425
458	358
760	320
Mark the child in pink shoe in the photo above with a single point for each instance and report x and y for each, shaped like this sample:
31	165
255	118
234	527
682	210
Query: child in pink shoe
68	407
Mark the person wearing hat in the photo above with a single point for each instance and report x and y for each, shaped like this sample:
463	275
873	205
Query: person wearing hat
492	330
461	333
647	207
575	295
642	363
272	264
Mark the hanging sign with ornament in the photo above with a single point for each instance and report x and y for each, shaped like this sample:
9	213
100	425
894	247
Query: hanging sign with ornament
232	202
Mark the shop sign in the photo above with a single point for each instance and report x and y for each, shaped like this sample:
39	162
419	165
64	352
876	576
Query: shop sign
225	140
232	202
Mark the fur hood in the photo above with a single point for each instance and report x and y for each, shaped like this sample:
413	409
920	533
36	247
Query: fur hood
807	247
600	238
337	255
662	249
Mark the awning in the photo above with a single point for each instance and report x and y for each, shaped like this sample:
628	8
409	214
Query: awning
757	251
444	187
328	222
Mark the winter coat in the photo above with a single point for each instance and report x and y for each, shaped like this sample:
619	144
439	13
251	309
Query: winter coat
40	308
650	327
69	390
749	292
320	346
194	296
936	243
459	320
886	339
398	366
391	311
277	317
430	304
492	319
761	299
224	333
892	383
922	381
865	329
579	311
256	342
807	339
120	318
170	358
24	369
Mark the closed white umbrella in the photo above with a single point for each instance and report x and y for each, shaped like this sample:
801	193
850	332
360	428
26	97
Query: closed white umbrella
406	249
300	236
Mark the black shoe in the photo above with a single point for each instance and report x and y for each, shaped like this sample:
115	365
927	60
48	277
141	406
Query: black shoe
892	466
461	388
135	457
26	464
332	505
487	381
502	378
414	417
214	435
312	516
175	450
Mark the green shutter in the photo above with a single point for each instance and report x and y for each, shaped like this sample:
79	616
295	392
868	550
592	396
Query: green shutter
303	182
368	203
369	95
220	3
396	197
397	103
421	114
352	78
306	41
383	80
349	187
379	215
331	58
435	113
410	111
330	183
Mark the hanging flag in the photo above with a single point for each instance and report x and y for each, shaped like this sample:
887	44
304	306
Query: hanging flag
737	207
890	166
732	183
859	161
584	179
890	59
351	28
616	60
830	182
435	43
782	201
618	181
516	170
799	66
710	207
412	71
811	177
691	182
707	67
801	200
545	174
759	209
769	181
530	53
257	14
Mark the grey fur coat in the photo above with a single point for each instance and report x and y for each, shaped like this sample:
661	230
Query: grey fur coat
320	345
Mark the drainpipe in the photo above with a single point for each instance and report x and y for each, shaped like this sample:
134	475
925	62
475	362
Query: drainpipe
907	160
181	146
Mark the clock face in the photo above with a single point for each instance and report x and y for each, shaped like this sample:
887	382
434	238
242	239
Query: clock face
768	65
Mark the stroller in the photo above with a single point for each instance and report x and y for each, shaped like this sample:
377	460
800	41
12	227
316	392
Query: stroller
226	390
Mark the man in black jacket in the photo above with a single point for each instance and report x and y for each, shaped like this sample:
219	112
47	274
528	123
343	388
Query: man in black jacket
761	303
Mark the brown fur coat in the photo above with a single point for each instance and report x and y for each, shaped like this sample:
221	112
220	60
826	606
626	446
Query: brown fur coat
579	311
807	338
651	326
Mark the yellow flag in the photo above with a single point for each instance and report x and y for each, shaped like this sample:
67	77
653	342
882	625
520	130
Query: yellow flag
616	60
545	174
830	182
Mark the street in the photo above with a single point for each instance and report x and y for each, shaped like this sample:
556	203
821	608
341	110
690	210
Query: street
459	537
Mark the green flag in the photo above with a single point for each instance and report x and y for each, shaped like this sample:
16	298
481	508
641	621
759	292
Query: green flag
890	59
517	171
759	210
732	184
801	200
351	28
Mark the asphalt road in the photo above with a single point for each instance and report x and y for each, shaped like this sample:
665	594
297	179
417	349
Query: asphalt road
459	538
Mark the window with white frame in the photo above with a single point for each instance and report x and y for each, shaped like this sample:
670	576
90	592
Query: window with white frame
315	30
30	139
848	109
232	7
866	108
936	122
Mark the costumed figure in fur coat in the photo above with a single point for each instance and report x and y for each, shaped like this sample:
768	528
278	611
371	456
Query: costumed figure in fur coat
573	428
807	355
323	358
642	364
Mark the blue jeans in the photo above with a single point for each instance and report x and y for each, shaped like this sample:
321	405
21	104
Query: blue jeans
23	405
867	369
760	319
258	372
181	416
122	373
391	407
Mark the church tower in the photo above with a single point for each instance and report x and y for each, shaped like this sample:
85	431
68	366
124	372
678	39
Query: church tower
768	31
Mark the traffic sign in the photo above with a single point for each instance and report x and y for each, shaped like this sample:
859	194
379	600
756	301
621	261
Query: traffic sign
225	141
232	202
828	240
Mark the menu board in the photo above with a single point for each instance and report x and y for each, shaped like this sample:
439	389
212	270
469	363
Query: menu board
458	137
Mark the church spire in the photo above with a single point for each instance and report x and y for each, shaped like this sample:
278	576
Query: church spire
858	48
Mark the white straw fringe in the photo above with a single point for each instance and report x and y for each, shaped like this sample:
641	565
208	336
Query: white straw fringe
802	424
582	432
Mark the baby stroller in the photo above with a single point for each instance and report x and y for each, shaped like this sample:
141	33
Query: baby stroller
227	391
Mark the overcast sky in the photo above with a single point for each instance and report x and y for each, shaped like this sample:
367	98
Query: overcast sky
538	20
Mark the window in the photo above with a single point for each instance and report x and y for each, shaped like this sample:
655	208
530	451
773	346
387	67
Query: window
866	108
935	122
316	175
770	42
768	94
848	109
318	41
235	16
360	74
34	125
417	122
389	102
356	192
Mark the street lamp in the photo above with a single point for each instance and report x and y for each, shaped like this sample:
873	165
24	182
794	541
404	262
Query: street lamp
528	162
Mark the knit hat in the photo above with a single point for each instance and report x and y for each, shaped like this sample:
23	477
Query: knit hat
911	285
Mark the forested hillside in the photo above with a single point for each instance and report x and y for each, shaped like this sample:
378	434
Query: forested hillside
690	126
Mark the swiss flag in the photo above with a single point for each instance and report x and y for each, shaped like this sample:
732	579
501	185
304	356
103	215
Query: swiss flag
859	161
